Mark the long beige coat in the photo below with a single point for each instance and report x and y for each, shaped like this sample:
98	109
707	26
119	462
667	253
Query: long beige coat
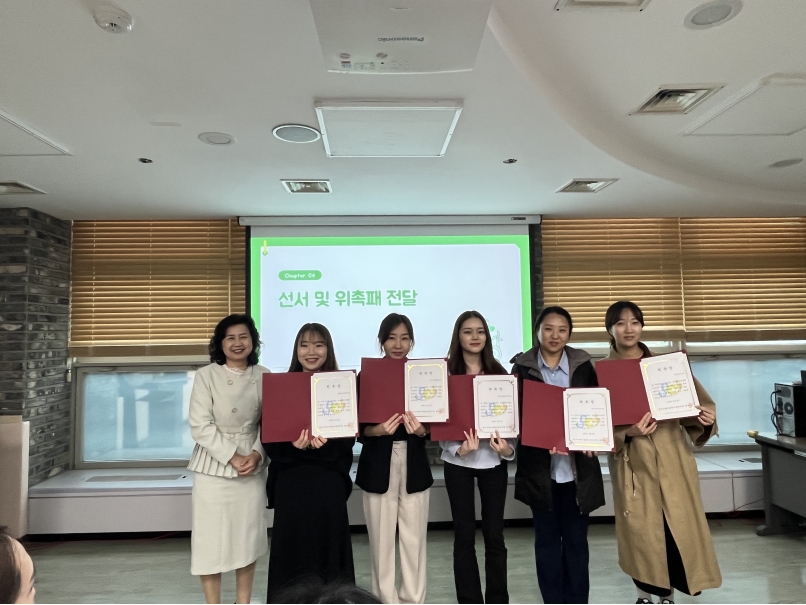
654	476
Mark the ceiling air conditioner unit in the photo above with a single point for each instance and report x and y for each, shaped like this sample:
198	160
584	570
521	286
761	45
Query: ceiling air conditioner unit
400	36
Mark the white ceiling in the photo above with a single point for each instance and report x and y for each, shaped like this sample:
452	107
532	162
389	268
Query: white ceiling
550	88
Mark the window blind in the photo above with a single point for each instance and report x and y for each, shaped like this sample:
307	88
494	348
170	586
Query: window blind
590	264
155	287
744	279
710	279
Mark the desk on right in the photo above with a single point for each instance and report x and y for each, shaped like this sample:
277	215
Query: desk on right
784	466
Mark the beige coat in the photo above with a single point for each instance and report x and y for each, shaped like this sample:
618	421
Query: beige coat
654	476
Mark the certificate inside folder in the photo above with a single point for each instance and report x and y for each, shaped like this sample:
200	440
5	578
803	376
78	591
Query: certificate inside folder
628	400
334	413
543	416
662	385
286	406
381	389
461	410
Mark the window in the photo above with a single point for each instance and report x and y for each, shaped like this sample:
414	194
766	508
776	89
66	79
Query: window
153	287
741	387
744	279
698	280
133	414
589	264
730	290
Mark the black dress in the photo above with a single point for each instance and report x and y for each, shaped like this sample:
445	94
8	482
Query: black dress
308	490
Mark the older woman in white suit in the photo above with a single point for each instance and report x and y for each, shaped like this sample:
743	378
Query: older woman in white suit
229	464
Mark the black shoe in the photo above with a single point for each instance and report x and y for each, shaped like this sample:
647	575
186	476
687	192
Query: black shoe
642	601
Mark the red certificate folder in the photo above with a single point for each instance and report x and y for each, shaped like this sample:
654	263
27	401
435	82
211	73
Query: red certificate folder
622	377
461	411
381	390
286	406
542	416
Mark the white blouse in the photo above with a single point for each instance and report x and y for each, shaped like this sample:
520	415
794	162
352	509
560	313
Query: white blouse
484	457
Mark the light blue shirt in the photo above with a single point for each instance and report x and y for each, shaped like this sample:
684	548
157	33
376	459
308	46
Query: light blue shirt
562	470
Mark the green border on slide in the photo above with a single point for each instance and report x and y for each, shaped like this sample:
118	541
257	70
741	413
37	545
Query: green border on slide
521	241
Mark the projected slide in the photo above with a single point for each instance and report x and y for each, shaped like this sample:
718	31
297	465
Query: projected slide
350	284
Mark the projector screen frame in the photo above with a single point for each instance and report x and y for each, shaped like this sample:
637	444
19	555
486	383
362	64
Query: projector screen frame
528	278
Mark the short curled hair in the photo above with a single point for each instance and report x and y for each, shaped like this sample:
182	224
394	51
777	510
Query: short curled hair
217	350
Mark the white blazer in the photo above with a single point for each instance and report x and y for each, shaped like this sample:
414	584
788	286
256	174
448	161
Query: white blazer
224	417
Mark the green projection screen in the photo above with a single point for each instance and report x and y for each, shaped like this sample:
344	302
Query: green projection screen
351	283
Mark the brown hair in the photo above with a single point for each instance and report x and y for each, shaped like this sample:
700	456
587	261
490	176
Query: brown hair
456	360
330	365
391	322
613	315
10	581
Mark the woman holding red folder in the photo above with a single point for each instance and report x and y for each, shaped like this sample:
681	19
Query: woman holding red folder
663	538
481	461
308	487
561	489
394	473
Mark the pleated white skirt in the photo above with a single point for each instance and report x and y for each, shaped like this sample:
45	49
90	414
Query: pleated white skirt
229	522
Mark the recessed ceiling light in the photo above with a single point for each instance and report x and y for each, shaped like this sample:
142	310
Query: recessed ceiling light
296	133
145	161
16	188
113	20
295	186
217	138
586	185
712	14
786	163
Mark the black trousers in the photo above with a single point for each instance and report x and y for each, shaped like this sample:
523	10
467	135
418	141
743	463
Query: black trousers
561	547
677	573
492	484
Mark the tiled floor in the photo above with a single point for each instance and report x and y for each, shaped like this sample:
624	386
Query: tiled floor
754	569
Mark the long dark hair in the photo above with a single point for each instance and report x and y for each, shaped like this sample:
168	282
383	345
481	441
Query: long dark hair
215	347
456	358
391	322
613	315
330	365
10	581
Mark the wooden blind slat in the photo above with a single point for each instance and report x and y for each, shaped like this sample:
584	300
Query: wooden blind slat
744	276
154	283
589	264
707	279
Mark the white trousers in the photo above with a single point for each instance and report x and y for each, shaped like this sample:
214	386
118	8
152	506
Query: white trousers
408	512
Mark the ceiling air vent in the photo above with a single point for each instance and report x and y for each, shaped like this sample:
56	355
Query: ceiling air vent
676	100
307	186
15	188
586	185
635	5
